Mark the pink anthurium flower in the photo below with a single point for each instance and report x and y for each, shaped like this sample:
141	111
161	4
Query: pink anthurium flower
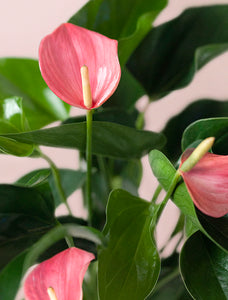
59	277
63	53
207	183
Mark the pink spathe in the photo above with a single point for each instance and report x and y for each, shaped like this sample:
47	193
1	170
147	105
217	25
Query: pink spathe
207	183
63	272
66	50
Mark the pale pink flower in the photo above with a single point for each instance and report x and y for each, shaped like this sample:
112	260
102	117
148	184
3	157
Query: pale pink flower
63	273
207	183
66	50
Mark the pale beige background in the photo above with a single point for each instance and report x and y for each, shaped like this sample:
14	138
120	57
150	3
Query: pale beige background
23	24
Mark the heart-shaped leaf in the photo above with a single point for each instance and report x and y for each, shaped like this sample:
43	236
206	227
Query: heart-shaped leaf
25	215
170	285
10	277
71	180
114	115
174	51
199	130
12	120
216	227
129	266
21	77
108	139
126	21
204	268
197	110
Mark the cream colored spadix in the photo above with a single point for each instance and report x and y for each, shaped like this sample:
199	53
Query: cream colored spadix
86	89
197	154
51	293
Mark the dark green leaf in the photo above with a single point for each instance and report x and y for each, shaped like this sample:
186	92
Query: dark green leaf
25	215
217	228
127	21
33	201
170	285
90	283
198	110
100	193
204	268
108	139
71	180
164	172
10	277
34	178
199	130
127	93
113	115
174	51
22	78
129	266
12	120
13	147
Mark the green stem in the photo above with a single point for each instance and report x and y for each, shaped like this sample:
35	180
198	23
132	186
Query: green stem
69	240
57	180
156	194
169	193
89	119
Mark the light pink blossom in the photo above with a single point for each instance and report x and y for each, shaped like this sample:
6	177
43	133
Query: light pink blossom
63	273
207	183
66	50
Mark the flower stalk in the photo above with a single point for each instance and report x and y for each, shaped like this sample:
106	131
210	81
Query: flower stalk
56	176
169	193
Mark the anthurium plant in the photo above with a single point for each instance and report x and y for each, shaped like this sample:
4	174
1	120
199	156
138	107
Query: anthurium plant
102	60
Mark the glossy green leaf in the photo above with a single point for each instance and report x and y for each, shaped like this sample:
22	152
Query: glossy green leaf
129	266
25	215
21	77
199	130
90	283
126	21
217	228
71	180
170	285
164	171
34	178
127	93
12	120
195	111
13	147
174	51
114	115
108	139
113	174
59	233
10	277
204	268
